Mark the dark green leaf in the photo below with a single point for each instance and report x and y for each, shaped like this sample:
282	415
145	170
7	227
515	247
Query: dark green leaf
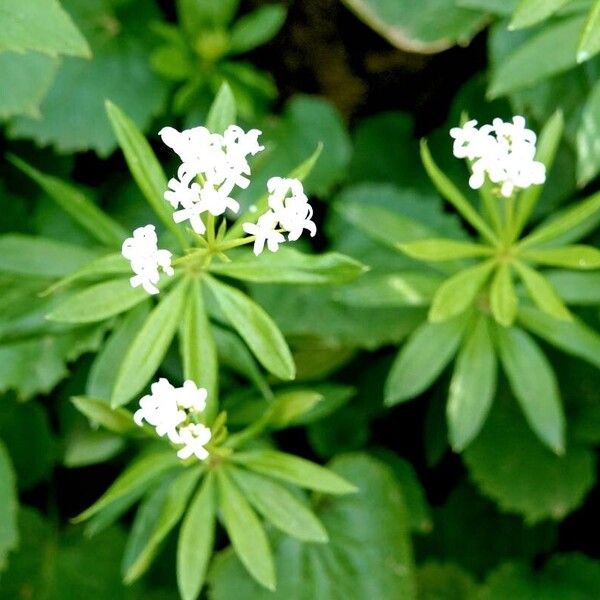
117	420
9	536
256	28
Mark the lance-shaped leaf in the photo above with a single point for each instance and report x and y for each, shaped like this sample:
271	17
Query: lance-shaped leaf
503	298
245	531
277	505
589	43
572	257
156	516
443	250
294	469
576	288
77	205
255	327
534	384
458	292
223	111
420	361
588	150
117	420
290	266
99	302
198	348
149	346
530	12
449	191
542	293
472	386
196	540
256	28
144	167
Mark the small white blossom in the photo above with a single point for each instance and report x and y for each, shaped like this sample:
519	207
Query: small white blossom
146	258
194	437
290	205
503	152
265	231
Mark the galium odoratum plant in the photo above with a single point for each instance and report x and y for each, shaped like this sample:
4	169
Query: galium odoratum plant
487	295
191	468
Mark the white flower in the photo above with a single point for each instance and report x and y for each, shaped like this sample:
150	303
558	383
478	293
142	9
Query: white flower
265	231
145	257
190	397
290	205
503	152
194	437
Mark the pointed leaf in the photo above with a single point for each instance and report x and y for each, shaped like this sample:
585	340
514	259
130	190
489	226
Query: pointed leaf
256	28
503	299
576	288
117	420
589	43
534	384
588	149
223	111
530	12
443	250
572	257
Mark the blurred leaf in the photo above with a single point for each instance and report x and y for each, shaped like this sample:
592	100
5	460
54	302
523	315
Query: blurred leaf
576	288
40	26
222	113
530	12
291	406
503	298
589	44
588	149
445	581
9	536
84	447
368	556
99	412
577	256
256	28
443	250
198	15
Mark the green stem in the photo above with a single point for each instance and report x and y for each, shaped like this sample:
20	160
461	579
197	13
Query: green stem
509	219
237	242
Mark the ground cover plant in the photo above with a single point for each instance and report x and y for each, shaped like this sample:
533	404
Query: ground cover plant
299	299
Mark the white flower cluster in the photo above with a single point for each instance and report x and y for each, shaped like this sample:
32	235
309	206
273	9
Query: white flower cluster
171	411
502	151
146	258
289	211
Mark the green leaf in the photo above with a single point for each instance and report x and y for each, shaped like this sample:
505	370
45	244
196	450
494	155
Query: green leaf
256	28
117	420
573	337
255	327
290	266
136	478
576	288
144	167
547	147
589	44
443	250
196	540
543	293
150	345
199	15
99	302
458	292
198	348
449	191
534	384
368	556
588	150
77	205
293	469
549	52
571	257
40	257
424	356
291	406
41	27
155	518
9	535
277	505
503	298
472	387
223	111
539	484
445	581
530	12
105	368
247	535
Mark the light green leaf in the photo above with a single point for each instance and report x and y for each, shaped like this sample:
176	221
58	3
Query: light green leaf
449	191
255	327
290	266
40	257
571	257
198	349
543	293
503	298
530	12
99	412
149	346
588	134
443	250
277	505
77	205
156	516
421	360
472	387
41	26
573	337
256	28
589	43
293	469
458	292
534	384
144	167
223	111
99	302
201	15
196	540
290	406
9	535
247	535
576	288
